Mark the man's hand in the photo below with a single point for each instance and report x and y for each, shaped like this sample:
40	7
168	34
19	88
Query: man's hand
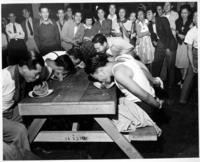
158	82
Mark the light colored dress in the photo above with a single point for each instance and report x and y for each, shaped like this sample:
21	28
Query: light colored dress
144	45
182	60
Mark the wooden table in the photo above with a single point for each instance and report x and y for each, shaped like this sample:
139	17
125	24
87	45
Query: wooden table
76	96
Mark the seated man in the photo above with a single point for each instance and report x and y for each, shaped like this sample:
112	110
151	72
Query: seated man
14	82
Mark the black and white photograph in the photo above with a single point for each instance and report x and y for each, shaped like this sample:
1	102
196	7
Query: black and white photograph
92	80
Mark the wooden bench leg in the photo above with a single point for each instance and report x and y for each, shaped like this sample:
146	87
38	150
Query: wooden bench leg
117	137
35	127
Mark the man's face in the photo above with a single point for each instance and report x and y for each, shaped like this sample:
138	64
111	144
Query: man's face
100	47
112	9
159	10
12	17
149	15
69	12
133	17
31	75
25	13
101	14
102	75
61	14
44	13
122	13
77	18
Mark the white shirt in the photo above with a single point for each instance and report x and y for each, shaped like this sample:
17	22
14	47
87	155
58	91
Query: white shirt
138	76
118	46
191	37
8	89
128	25
10	31
75	30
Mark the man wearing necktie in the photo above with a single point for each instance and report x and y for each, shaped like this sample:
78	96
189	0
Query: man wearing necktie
28	26
16	40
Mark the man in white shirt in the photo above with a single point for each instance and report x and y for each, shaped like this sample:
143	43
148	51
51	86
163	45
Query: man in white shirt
16	39
191	39
13	90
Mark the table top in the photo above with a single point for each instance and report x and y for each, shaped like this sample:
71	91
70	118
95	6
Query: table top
75	95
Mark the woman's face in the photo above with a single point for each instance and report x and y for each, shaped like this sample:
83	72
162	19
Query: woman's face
184	13
133	17
112	9
101	14
122	13
141	15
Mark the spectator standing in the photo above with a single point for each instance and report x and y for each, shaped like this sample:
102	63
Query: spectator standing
29	26
133	34
61	19
124	24
113	17
16	39
73	32
69	13
182	26
47	35
171	15
191	39
165	47
102	25
144	45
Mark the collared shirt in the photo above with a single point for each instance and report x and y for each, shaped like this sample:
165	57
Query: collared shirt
8	89
87	27
46	22
11	34
191	37
154	30
27	28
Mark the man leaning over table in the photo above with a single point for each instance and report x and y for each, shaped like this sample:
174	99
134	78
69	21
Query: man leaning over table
15	79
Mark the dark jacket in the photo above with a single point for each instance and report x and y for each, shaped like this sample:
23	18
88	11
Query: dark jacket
164	33
105	28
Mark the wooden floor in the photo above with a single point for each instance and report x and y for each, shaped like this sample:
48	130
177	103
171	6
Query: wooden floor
179	139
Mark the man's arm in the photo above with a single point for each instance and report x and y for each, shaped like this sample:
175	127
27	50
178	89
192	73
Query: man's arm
123	76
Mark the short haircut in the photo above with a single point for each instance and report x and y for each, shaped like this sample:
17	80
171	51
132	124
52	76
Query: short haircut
97	61
99	38
76	52
43	6
65	62
151	9
78	11
30	59
187	7
101	8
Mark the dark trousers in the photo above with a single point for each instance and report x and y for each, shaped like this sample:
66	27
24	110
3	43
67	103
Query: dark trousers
164	64
14	132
